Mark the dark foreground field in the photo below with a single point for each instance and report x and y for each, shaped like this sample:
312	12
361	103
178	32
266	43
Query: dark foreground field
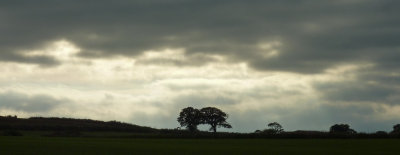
56	145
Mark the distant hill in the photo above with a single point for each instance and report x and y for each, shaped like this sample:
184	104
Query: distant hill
66	124
71	127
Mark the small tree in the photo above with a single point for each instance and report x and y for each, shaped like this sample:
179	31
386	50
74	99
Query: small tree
396	129
215	118
190	118
341	128
275	127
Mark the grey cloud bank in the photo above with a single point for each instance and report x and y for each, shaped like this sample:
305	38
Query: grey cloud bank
25	103
315	35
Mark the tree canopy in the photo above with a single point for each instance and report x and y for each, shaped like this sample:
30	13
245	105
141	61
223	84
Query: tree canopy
341	128
396	129
275	127
190	118
215	118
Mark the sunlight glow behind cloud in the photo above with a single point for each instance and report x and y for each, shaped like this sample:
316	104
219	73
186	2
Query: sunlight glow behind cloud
119	88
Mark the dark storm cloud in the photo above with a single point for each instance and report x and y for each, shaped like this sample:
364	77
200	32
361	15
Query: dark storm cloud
22	102
315	35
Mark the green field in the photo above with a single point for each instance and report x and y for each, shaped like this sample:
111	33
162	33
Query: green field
47	145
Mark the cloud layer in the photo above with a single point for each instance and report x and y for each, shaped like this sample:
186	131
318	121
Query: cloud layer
22	102
313	35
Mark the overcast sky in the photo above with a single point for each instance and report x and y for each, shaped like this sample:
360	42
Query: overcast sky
307	64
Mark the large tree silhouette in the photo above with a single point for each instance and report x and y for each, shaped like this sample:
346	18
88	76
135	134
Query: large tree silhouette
190	118
215	118
275	127
396	129
342	129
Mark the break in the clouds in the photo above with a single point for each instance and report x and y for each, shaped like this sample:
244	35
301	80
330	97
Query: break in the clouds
306	63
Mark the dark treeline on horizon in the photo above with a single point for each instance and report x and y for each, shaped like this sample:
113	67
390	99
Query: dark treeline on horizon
11	125
56	124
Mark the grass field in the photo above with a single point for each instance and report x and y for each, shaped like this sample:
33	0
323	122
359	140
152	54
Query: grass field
47	145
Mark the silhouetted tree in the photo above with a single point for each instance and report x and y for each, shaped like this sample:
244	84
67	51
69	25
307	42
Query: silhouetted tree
381	133
190	118
275	127
342	128
396	129
215	118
